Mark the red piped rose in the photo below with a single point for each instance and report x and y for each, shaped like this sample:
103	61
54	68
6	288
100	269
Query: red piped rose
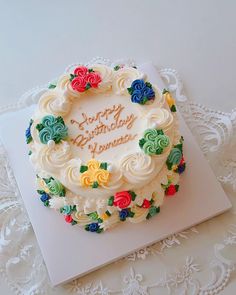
93	79
146	204
122	199
84	78
68	218
79	84
182	161
171	190
81	71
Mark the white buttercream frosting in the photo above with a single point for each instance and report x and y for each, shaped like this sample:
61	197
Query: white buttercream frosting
53	158
55	103
137	168
133	170
123	79
107	78
160	118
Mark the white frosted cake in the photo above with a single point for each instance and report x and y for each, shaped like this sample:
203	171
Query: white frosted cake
105	146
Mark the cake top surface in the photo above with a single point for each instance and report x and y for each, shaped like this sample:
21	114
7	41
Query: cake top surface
102	128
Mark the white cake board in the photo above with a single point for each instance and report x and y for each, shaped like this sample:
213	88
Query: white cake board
70	251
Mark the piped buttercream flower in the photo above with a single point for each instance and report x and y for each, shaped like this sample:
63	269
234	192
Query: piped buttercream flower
141	91
170	100
84	79
154	142
52	129
28	135
94	174
122	199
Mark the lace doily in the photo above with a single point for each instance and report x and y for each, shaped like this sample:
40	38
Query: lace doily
209	264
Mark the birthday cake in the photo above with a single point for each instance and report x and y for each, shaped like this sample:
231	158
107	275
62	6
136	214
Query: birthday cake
106	147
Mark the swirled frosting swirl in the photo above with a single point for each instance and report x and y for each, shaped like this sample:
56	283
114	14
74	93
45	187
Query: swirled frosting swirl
123	79
54	102
137	168
160	118
55	157
106	74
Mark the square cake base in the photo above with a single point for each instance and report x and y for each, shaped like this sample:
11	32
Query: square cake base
200	197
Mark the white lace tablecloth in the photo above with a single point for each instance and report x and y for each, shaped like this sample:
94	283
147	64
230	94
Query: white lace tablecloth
200	260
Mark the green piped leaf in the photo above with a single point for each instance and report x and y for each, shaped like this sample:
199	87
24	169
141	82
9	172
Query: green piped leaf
130	90
72	77
144	100
99	230
83	168
110	201
142	142
90	70
52	86
39	127
169	165
160	132
116	68
95	184
148	84
60	120
103	165
29	139
62	193
108	213
165	91
88	86
133	195
46	203
131	214
173	108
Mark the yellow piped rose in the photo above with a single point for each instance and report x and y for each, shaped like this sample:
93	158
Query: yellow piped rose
95	174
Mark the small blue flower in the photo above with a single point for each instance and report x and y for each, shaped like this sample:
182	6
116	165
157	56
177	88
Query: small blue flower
181	168
137	96
28	133
123	214
93	227
148	92
138	84
44	197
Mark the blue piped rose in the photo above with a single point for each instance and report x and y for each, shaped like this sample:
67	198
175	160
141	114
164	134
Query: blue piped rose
28	135
141	91
93	227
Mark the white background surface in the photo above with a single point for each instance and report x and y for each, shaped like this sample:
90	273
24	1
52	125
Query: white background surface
38	39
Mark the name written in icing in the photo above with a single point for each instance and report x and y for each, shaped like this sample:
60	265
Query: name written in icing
105	121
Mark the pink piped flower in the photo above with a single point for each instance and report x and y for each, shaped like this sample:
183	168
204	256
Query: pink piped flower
79	84
93	79
81	71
